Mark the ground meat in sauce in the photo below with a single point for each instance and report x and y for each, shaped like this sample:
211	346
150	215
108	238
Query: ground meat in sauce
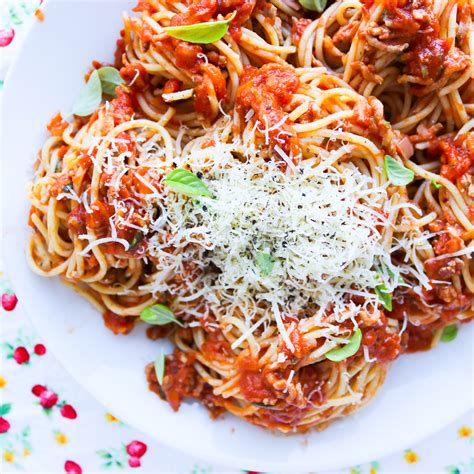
216	347
119	324
200	11
181	381
253	383
384	346
410	28
122	106
267	91
419	337
456	154
443	268
298	28
159	332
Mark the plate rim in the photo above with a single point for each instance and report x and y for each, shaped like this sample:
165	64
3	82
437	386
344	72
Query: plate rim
215	457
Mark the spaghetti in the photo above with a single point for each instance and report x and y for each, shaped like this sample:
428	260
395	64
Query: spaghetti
415	56
246	201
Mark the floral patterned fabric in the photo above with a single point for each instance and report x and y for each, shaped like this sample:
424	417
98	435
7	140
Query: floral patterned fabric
50	424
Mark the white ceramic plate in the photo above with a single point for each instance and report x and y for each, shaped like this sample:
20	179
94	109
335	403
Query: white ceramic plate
423	392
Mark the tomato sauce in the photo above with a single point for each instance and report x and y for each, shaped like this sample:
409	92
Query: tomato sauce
267	91
80	221
383	346
279	418
298	28
443	268
457	158
76	220
427	58
57	125
122	106
119	324
180	378
172	85
98	219
187	55
447	243
403	24
159	332
216	347
200	11
212	81
420	337
59	184
136	75
119	51
147	6
181	381
253	382
284	415
296	338
312	385
413	29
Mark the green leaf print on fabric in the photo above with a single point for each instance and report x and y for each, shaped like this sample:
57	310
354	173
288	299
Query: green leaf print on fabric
113	457
201	470
16	12
15	448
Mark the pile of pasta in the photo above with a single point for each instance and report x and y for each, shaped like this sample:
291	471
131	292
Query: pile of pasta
351	91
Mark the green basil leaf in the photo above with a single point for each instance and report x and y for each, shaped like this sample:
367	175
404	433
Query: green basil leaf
159	315
449	333
436	184
160	367
89	98
203	33
137	238
110	78
396	172
400	279
384	296
265	263
185	182
313	5
351	348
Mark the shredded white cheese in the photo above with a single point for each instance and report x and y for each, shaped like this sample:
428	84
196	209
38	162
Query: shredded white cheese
322	226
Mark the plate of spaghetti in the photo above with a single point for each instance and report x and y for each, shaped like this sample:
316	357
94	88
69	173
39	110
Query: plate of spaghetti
248	226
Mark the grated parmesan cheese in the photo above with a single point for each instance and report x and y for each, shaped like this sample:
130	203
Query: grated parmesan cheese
323	227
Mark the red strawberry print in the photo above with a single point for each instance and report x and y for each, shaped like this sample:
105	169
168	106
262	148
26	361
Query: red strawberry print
68	412
134	462
72	467
21	355
40	349
136	449
6	37
4	425
38	390
48	399
9	301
